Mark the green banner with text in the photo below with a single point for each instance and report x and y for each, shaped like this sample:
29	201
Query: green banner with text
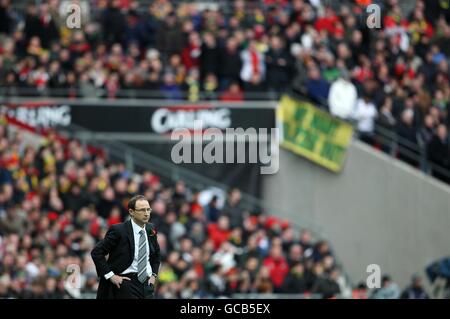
313	133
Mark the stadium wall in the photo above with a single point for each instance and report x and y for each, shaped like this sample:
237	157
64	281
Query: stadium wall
376	211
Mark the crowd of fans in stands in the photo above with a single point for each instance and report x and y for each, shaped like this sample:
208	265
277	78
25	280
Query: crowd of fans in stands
52	209
394	78
57	200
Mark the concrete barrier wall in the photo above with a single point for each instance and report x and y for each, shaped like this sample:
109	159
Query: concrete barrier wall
377	210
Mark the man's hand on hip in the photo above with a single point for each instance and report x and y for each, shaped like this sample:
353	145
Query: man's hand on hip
117	280
152	280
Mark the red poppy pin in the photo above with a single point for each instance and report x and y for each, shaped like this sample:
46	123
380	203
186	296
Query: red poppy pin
153	232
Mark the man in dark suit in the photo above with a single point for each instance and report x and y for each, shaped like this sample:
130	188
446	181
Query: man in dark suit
133	263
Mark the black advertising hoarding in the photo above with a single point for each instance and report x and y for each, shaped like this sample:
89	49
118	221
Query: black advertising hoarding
138	119
163	120
39	115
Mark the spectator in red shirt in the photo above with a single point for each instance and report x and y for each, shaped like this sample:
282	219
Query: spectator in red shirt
232	94
190	55
360	292
277	266
220	231
79	45
327	22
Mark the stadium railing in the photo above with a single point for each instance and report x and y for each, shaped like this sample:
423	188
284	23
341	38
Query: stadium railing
101	93
397	145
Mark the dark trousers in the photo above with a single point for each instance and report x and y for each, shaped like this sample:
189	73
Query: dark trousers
133	288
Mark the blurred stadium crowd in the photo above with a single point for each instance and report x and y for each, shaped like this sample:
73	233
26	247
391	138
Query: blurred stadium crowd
58	198
395	78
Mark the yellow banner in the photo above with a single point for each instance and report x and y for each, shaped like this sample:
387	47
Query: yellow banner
313	133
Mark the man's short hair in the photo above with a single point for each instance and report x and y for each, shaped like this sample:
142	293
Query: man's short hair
134	199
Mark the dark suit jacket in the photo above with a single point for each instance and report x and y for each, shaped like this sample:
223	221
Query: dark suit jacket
119	245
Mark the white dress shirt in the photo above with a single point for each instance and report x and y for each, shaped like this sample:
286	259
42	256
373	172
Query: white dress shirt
134	265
